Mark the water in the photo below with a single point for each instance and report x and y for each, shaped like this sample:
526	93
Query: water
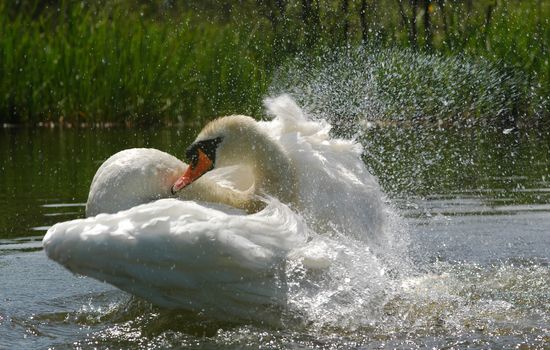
347	85
473	205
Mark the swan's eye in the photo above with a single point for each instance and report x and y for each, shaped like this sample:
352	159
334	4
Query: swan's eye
192	155
193	160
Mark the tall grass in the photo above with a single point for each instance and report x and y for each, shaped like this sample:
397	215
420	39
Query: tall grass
164	61
86	64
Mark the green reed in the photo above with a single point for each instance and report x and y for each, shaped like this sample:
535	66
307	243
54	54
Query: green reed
112	64
133	62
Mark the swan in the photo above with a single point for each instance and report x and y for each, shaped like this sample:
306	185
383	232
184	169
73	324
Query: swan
214	236
137	176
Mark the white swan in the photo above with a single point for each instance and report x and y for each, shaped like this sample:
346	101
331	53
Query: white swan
138	176
213	258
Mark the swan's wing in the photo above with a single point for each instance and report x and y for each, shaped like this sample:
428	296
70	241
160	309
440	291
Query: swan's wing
335	188
180	254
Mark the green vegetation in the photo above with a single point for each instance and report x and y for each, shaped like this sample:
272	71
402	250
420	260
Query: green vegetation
350	86
147	62
111	64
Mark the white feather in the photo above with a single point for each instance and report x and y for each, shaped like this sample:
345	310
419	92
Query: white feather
210	258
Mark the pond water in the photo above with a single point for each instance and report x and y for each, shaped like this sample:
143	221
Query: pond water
475	209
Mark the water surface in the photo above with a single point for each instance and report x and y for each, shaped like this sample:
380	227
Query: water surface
474	207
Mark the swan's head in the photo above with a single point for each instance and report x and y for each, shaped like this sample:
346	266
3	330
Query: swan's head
222	142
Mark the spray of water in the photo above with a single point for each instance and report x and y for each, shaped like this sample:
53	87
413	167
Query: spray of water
378	288
352	87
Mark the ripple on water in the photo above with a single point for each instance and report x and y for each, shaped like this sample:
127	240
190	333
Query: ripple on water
433	311
502	305
498	304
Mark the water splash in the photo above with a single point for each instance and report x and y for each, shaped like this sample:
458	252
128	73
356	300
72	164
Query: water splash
395	291
351	87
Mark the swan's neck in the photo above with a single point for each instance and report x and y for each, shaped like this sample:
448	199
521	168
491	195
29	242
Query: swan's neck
272	169
273	174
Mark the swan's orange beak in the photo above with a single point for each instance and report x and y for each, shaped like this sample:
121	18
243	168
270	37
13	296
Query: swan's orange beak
194	171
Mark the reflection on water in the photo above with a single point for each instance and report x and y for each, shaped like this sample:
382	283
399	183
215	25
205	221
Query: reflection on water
46	173
506	168
475	203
